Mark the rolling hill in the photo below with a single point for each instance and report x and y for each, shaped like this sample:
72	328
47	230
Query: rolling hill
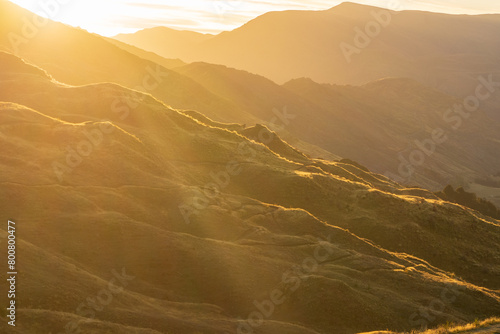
414	134
207	230
386	125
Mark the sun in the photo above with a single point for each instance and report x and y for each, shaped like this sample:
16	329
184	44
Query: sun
93	15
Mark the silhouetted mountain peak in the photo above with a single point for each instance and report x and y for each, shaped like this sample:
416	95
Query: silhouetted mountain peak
300	81
168	31
351	8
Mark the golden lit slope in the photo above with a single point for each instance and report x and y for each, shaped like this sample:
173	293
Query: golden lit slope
123	209
379	124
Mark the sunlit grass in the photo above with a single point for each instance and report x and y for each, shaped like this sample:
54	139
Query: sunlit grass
452	328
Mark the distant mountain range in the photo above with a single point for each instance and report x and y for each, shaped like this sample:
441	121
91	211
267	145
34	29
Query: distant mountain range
351	44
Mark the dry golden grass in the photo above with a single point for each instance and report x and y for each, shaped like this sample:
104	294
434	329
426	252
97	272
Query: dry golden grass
478	326
119	207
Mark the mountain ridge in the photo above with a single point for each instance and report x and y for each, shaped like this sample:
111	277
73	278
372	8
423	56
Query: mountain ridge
352	122
332	46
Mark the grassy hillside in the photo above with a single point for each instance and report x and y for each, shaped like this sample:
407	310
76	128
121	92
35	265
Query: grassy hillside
387	125
205	226
410	132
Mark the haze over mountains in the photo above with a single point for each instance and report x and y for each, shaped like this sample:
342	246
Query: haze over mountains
352	44
199	191
172	41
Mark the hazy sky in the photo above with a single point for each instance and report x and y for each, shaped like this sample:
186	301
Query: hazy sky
110	17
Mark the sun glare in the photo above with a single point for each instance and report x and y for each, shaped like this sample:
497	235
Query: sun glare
112	17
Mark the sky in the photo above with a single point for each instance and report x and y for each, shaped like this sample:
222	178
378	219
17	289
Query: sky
111	17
